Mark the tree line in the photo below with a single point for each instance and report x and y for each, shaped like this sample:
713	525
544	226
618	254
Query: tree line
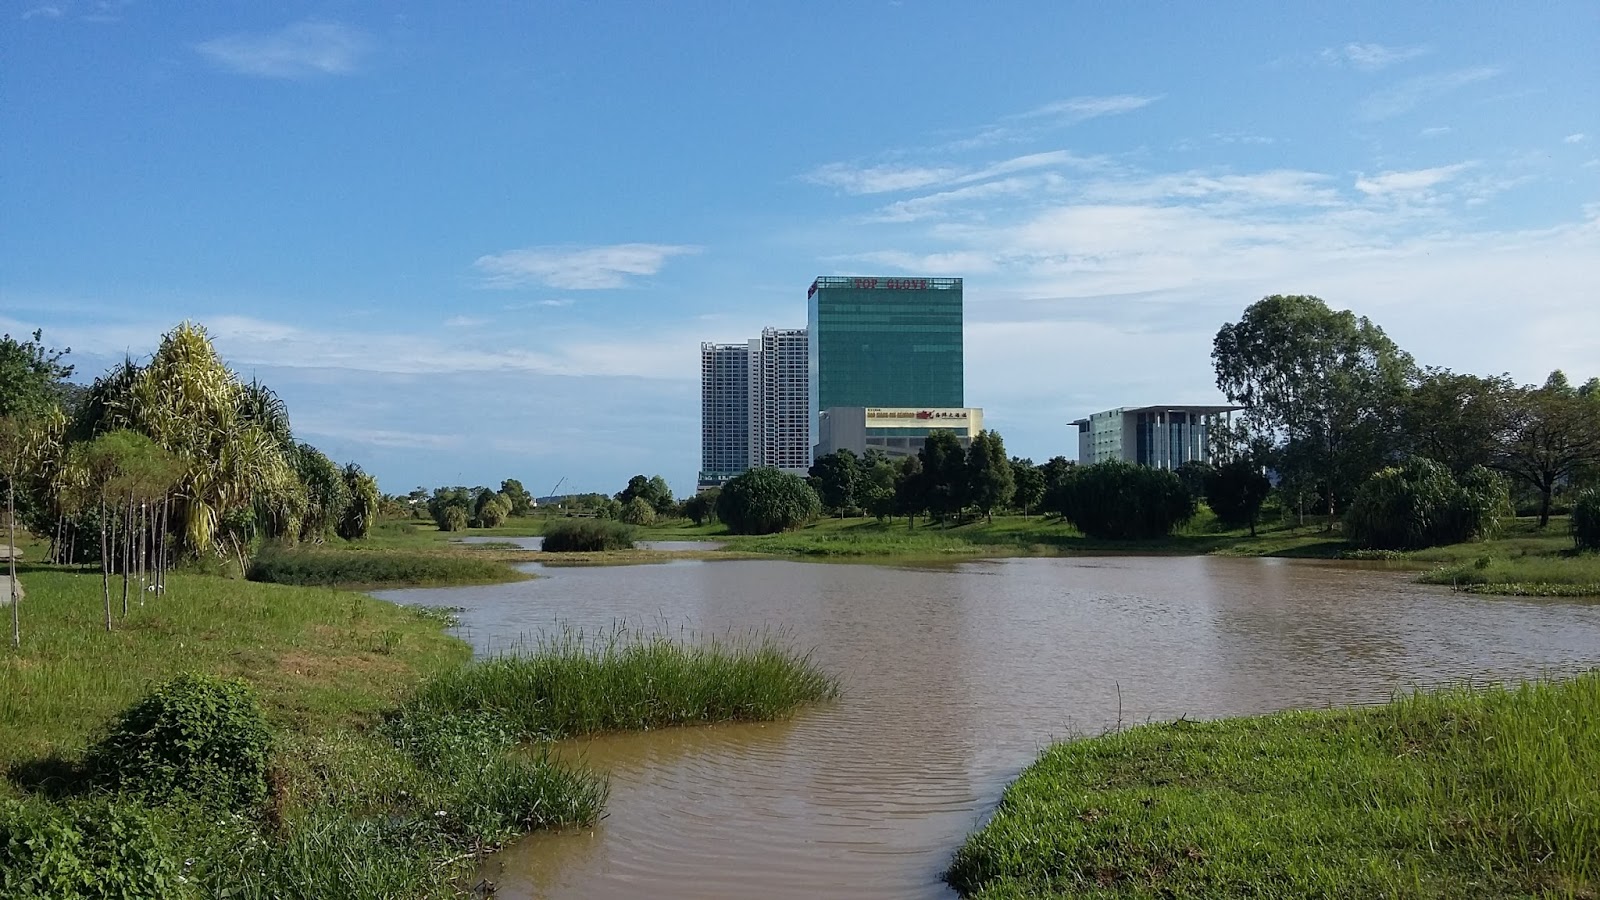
173	458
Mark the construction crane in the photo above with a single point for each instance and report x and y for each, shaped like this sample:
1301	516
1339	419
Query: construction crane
552	494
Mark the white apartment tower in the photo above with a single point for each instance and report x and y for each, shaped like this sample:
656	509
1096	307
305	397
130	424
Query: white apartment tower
754	406
724	411
780	401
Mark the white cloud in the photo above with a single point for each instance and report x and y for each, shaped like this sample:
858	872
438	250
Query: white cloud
44	12
1407	95
1371	57
300	50
1435	131
465	321
1574	138
576	268
1078	109
1411	182
879	179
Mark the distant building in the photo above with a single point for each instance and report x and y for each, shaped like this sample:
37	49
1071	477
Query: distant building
884	342
895	431
1162	437
724	412
780	418
754	406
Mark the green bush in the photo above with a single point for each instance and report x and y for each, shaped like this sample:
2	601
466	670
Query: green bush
1122	501
1586	520
638	511
86	850
453	518
195	737
1420	504
587	536
767	501
1235	491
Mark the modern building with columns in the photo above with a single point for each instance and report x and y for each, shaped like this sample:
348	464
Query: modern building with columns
1162	437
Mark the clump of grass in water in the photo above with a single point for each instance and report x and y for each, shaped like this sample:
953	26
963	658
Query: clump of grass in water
1555	575
570	684
305	566
586	536
1464	792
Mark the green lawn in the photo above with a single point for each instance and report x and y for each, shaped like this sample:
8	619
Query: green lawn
1460	793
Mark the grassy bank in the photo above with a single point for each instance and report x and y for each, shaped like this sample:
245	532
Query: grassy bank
569	685
1458	793
367	790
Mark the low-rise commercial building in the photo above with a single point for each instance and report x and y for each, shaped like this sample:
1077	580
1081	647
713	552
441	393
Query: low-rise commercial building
894	430
1162	437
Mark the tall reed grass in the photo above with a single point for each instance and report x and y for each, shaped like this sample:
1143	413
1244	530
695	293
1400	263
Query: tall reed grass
571	683
374	568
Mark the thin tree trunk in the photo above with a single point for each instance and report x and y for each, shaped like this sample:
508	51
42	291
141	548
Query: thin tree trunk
127	553
144	551
11	524
105	563
1544	505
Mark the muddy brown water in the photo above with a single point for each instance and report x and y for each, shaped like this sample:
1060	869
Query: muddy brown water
954	678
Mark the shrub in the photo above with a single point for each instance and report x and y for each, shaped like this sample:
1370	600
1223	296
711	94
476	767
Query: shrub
1586	520
494	512
1123	501
638	511
1419	504
83	850
1235	491
453	518
767	501
587	536
702	507
194	737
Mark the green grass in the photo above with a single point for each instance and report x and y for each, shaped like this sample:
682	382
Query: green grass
1464	792
569	684
355	567
318	657
1569	575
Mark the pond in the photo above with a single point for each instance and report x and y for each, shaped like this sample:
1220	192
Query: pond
954	678
537	543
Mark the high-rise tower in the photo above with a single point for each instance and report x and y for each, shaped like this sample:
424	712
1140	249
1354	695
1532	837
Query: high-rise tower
780	418
724	411
884	342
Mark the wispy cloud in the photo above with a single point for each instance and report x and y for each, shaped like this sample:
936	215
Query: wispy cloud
1407	95
1409	182
1578	138
1435	131
1370	57
47	11
301	50
1078	109
879	179
576	268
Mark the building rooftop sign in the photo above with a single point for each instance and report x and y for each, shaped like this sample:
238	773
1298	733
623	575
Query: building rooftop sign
877	283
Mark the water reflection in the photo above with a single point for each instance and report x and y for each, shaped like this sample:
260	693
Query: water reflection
954	678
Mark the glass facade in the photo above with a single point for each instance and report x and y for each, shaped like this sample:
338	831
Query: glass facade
1162	437
885	342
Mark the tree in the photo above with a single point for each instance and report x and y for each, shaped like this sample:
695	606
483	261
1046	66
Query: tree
1420	504
521	500
26	437
1193	475
29	375
702	507
1554	435
766	501
1235	491
1029	481
875	486
1585	522
1325	383
653	489
835	478
1057	473
944	474
1459	421
989	480
1123	501
638	511
443	501
188	402
355	521
910	490
326	491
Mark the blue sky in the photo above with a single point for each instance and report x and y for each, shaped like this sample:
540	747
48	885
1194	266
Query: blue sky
467	242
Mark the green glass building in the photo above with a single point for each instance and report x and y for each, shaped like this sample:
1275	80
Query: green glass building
884	342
